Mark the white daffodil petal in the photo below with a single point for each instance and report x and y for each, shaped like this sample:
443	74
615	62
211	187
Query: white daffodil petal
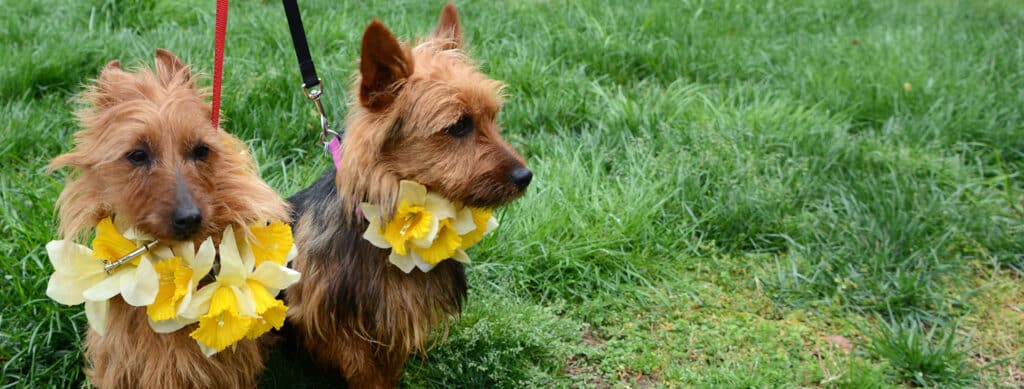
72	258
200	303
404	262
105	289
186	300
460	255
96	313
370	212
373	236
244	299
463	223
440	207
207	350
424	266
420	263
245	251
275	276
411	192
69	289
168	326
492	223
203	261
232	269
186	251
160	252
139	286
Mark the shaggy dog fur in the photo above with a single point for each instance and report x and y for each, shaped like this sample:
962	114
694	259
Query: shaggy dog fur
424	113
147	153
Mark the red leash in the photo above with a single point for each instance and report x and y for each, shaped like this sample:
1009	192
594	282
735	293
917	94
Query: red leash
218	57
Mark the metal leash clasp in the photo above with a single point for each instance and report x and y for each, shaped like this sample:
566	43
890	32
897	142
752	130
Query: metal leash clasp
314	93
110	266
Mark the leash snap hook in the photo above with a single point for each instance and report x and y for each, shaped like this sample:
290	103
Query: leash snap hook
314	93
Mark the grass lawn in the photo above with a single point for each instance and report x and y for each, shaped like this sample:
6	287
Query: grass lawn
727	193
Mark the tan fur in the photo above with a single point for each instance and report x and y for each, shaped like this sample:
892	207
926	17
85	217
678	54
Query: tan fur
444	86
353	310
164	112
131	355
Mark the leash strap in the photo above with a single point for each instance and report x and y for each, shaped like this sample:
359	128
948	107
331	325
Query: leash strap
311	84
306	66
218	57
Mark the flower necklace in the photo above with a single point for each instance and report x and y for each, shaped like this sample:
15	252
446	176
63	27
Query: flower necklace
240	302
426	228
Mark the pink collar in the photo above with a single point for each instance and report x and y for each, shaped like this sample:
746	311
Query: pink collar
334	147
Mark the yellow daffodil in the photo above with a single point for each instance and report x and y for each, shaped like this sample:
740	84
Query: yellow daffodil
179	277
229	307
271	311
79	275
174	279
426	228
416	218
443	247
223	324
484	223
272	241
240	303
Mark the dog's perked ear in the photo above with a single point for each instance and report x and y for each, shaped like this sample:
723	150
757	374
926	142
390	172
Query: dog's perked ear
171	71
112	65
449	31
383	67
110	77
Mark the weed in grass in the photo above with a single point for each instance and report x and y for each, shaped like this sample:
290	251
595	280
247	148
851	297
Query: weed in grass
932	357
499	342
860	374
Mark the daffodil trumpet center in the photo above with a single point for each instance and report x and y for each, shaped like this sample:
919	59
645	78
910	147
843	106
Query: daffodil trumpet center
408	223
425	228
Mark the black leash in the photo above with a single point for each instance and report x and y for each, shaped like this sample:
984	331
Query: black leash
312	86
306	66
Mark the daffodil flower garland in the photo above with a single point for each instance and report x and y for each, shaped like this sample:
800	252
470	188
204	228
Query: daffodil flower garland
240	303
426	228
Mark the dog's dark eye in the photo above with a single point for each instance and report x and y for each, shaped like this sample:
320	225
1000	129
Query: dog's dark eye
461	128
138	157
200	151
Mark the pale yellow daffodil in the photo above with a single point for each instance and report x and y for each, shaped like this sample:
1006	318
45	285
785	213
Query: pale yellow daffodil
426	228
483	221
240	303
415	218
179	278
272	241
79	275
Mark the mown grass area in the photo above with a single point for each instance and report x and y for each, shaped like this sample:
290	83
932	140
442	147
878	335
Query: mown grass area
727	193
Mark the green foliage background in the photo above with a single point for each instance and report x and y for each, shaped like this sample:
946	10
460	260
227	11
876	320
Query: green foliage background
721	187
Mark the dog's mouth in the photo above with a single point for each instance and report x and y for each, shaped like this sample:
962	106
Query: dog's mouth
170	235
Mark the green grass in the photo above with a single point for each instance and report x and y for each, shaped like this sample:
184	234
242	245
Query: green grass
720	185
931	358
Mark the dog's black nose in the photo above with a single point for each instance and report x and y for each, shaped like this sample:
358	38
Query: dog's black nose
186	221
521	177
